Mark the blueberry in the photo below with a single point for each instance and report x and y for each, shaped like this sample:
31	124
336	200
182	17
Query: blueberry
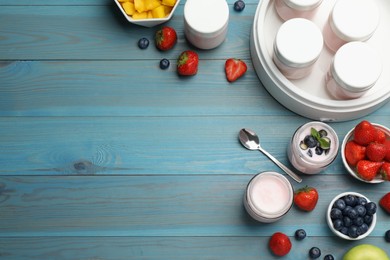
387	236
239	5
358	221
346	210
347	221
310	153
353	231
368	219
336	213
323	133
164	64
350	200
143	43
328	257
352	214
371	208
319	150
363	228
344	231
300	234
338	224
361	201
361	210
340	204
314	252
310	141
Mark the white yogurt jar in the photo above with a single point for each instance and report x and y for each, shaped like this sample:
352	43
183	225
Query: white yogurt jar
311	151
288	9
206	22
351	20
268	197
355	69
297	46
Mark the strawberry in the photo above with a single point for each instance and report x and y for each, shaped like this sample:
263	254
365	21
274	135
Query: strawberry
384	202
364	133
165	38
280	244
367	170
306	198
376	152
380	136
354	152
234	68
385	171
187	64
387	145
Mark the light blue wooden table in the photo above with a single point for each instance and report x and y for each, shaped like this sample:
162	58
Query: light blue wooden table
105	156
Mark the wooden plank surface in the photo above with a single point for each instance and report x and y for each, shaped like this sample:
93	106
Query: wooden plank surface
105	156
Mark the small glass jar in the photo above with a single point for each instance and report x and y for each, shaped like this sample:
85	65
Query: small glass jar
351	20
307	149
288	9
355	69
297	46
206	28
268	197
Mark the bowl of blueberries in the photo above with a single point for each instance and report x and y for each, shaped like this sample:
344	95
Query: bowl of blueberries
351	216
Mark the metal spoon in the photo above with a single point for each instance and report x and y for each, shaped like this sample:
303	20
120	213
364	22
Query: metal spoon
250	140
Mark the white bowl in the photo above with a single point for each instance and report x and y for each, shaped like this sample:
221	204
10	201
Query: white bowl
351	170
150	22
338	233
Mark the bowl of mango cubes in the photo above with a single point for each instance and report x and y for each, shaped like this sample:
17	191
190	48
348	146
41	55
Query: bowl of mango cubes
147	13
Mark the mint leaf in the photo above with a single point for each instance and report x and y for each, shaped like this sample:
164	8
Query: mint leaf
324	142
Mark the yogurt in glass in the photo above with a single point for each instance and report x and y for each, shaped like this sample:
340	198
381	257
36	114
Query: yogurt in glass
313	147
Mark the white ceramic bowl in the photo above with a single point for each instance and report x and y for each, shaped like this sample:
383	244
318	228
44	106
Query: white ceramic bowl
351	170
148	22
338	233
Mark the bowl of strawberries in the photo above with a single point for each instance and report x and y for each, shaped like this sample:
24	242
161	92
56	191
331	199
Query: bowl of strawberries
366	152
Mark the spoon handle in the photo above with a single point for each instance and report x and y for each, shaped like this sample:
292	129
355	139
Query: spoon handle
281	166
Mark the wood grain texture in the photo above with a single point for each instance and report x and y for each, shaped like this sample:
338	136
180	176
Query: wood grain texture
105	156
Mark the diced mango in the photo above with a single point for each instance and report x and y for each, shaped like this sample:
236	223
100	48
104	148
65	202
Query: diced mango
158	12
138	15
167	9
169	2
122	1
139	6
150	14
129	8
151	4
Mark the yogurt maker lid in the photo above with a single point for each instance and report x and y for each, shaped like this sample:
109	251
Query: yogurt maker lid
302	5
355	20
205	16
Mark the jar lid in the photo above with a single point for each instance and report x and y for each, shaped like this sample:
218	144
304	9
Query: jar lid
354	20
270	194
205	16
356	66
302	5
298	43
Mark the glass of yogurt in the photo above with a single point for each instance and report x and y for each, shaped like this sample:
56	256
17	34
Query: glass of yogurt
313	147
268	197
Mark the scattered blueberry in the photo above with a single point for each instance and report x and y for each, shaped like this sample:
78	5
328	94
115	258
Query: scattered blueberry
328	257
239	5
143	43
164	64
300	234
387	236
314	252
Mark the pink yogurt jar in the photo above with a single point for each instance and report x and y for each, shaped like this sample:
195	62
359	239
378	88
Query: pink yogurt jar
288	9
206	22
297	46
351	20
355	69
312	151
268	197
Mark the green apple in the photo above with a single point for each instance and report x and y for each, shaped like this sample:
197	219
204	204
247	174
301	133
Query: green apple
366	252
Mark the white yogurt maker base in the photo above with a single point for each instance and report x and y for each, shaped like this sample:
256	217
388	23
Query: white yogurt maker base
308	97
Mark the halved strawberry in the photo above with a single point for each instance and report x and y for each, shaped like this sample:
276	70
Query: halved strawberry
165	38
354	152
234	69
364	133
367	170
